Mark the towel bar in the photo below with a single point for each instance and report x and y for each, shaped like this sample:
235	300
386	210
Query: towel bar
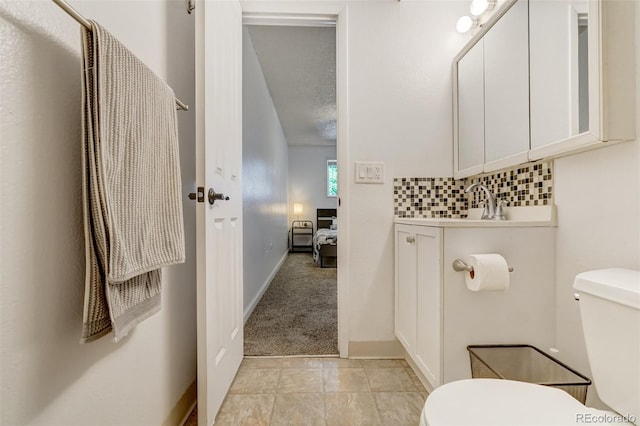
84	22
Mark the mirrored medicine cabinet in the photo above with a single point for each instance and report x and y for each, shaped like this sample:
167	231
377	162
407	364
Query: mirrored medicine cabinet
544	78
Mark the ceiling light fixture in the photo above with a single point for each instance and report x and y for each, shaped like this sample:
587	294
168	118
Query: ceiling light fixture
466	23
478	7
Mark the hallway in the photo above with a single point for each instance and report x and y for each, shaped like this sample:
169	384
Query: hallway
297	314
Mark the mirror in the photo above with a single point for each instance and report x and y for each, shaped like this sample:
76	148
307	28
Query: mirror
506	89
559	74
471	109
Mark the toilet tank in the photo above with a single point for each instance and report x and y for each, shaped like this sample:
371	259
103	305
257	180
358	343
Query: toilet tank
610	311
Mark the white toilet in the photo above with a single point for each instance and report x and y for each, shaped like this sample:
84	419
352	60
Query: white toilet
610	311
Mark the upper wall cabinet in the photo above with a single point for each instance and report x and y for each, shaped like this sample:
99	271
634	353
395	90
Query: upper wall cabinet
544	79
581	74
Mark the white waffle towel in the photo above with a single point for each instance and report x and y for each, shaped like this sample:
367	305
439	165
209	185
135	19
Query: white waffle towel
132	186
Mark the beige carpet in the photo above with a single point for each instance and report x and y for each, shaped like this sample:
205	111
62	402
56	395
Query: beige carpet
297	314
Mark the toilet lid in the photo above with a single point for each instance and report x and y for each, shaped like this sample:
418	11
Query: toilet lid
503	402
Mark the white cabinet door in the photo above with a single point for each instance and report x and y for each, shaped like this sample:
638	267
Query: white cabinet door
428	354
582	75
506	76
470	152
405	287
554	71
418	297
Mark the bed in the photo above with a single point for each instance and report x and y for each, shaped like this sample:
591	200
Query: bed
325	240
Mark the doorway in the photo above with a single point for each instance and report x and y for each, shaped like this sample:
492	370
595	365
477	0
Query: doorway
219	48
290	212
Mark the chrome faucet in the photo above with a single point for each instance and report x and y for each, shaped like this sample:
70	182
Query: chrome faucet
490	205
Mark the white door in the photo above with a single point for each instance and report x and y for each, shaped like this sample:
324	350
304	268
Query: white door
219	225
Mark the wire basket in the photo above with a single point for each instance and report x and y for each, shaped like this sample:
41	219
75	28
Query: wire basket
526	363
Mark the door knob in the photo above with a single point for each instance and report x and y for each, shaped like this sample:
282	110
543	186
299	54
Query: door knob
213	196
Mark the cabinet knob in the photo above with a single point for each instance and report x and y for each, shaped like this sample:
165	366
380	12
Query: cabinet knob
411	239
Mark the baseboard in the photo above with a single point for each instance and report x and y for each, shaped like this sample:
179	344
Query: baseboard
183	407
387	349
416	370
265	286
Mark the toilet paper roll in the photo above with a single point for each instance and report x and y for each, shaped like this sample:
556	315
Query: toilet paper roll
490	272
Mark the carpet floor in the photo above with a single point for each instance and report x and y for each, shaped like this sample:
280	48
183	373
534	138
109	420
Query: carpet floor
297	314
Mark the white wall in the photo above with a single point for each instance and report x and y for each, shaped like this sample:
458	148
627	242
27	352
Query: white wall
264	176
598	227
400	113
47	376
308	180
598	199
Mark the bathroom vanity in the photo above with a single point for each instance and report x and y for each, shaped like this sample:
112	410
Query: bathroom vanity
436	316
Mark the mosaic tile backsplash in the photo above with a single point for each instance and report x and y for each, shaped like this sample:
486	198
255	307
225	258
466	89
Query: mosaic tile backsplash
429	197
525	185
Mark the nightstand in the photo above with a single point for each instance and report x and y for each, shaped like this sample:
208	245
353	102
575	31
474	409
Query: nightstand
301	235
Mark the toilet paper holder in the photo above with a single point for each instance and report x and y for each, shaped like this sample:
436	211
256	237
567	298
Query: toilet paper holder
459	266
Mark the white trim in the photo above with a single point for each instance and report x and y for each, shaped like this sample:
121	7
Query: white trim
184	407
502	163
379	349
342	80
289	20
202	342
314	14
455	123
471	171
569	145
595	46
263	288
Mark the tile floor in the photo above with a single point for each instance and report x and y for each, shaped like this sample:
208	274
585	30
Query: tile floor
322	391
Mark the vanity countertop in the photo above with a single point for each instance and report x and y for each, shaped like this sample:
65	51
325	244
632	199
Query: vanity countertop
518	217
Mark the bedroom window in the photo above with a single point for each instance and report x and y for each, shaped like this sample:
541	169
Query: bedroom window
332	178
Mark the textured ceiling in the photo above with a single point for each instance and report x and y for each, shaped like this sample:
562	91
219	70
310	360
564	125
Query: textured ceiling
299	65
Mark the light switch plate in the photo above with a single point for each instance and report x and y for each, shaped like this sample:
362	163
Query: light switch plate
369	172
